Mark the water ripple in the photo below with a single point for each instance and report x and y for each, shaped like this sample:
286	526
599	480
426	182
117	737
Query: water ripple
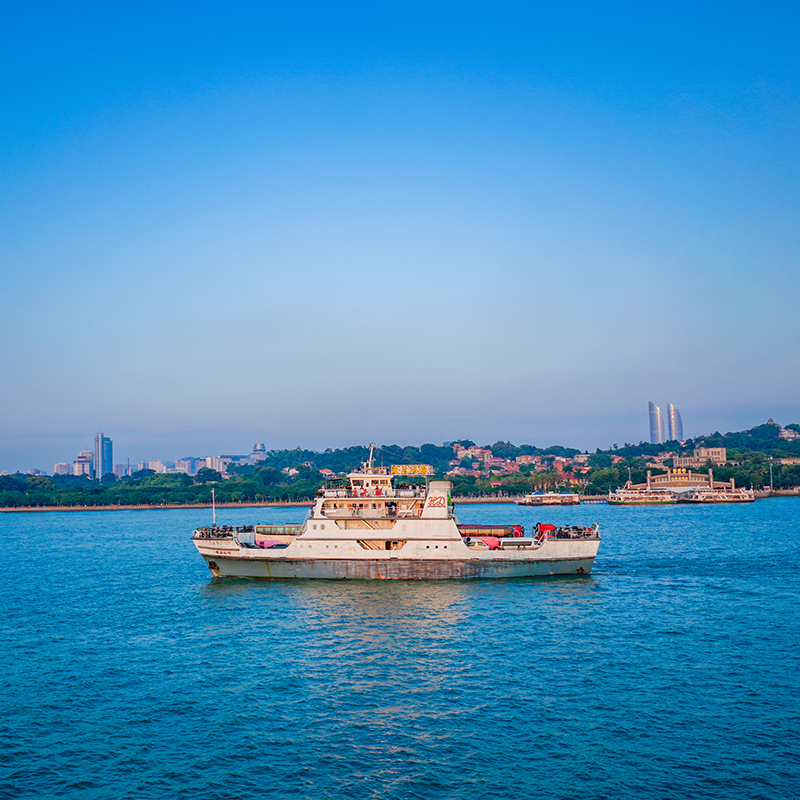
669	672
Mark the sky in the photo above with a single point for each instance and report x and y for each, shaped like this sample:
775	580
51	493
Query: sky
324	224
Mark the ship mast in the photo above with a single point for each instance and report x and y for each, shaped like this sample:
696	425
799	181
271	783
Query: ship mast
371	452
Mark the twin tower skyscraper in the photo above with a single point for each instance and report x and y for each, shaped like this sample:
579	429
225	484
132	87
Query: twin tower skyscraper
674	424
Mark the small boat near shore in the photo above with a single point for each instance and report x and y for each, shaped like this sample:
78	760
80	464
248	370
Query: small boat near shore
707	495
377	527
550	499
631	496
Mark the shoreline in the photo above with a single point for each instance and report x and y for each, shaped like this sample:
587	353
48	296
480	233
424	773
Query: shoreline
173	506
760	495
159	507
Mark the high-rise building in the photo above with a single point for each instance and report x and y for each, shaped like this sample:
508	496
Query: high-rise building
656	425
220	463
674	424
84	463
103	455
158	466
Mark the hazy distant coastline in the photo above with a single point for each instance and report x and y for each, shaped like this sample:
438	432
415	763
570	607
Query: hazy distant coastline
767	456
761	495
173	506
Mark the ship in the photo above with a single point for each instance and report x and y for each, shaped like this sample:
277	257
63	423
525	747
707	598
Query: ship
633	496
550	499
382	523
707	494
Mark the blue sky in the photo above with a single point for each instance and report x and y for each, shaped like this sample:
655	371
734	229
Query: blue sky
318	224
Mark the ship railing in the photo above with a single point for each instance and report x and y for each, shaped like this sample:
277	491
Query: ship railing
572	533
535	542
216	532
407	513
373	492
370	513
562	532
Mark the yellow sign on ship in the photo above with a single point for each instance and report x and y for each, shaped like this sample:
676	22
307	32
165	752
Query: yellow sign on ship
412	469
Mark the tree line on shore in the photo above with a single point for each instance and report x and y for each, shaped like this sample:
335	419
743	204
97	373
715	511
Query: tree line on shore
268	481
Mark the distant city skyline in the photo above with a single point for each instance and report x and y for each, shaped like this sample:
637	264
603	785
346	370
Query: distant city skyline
347	224
200	447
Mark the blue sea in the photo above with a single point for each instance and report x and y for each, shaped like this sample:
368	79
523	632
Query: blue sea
672	671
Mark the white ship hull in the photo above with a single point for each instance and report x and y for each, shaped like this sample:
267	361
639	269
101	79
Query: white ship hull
375	569
398	568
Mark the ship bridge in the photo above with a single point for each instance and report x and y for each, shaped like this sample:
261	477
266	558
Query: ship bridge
377	493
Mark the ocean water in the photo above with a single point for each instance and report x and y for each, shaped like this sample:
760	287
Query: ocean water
670	672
